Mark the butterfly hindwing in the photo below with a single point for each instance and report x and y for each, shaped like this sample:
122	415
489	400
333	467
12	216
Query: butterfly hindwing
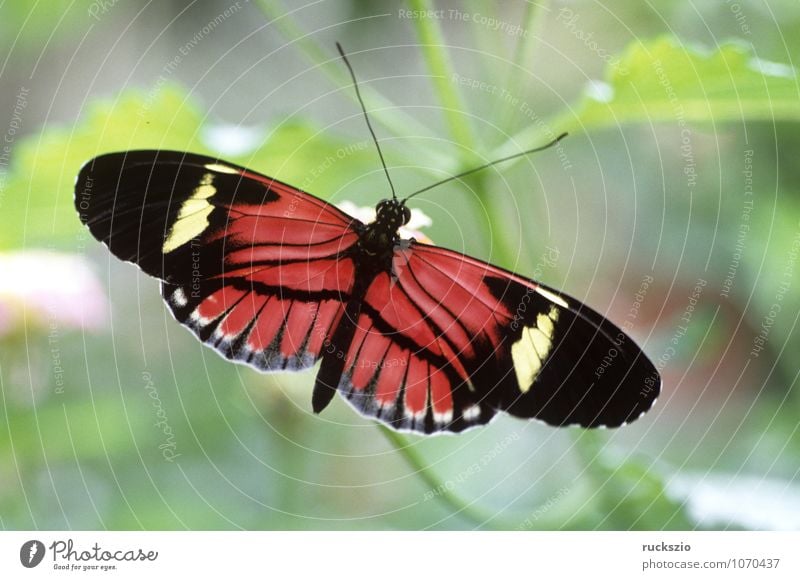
447	340
265	330
396	370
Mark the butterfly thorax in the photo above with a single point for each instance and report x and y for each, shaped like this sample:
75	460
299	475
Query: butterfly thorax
378	238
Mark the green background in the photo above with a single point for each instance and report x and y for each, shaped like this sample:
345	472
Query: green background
673	205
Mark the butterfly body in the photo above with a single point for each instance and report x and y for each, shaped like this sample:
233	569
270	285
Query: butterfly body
416	336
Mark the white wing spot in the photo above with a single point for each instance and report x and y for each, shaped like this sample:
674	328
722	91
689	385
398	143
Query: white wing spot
552	297
471	413
197	319
414	416
443	418
220	168
179	298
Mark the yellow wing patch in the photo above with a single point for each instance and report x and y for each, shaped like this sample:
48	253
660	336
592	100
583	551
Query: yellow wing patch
193	215
220	168
533	347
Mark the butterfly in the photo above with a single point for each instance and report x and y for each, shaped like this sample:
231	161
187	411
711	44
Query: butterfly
416	336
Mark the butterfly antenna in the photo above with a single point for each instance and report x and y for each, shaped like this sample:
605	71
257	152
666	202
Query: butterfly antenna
495	162
369	125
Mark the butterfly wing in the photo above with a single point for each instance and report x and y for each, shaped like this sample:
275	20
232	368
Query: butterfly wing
445	341
254	267
267	275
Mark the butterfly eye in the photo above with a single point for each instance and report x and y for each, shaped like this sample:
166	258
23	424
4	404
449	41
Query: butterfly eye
406	215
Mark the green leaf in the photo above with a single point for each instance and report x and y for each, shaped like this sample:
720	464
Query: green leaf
313	159
665	81
30	25
61	432
37	201
381	108
432	44
629	491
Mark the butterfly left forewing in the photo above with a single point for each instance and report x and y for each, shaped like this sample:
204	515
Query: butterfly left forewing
157	209
257	269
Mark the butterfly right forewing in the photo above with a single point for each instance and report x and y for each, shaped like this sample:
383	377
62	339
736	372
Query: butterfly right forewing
447	340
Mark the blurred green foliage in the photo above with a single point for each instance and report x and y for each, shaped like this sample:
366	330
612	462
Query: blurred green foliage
615	202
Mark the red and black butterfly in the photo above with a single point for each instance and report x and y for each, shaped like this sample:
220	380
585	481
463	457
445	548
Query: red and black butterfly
416	336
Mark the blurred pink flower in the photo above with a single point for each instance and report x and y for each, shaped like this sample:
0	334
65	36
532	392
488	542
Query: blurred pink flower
46	287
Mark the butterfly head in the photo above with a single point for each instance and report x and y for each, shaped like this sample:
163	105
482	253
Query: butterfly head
393	213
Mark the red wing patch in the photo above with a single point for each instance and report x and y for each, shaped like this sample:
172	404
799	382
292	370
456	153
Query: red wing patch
404	386
449	340
266	331
402	369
